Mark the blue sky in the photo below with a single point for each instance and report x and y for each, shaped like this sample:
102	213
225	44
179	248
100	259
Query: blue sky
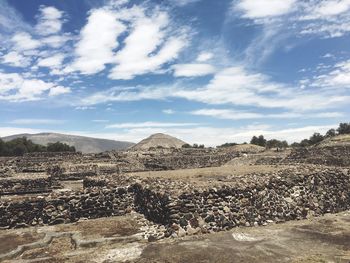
204	71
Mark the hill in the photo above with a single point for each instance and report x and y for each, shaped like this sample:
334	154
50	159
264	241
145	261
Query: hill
159	140
246	148
339	140
81	143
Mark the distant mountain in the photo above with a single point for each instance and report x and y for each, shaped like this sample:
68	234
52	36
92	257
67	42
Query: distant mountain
158	140
81	143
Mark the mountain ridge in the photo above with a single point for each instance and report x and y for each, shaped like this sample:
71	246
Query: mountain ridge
83	144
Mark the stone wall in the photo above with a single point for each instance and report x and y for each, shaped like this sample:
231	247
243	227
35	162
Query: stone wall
25	185
327	155
66	208
190	207
264	199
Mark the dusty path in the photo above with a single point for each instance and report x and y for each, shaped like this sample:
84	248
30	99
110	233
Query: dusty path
121	239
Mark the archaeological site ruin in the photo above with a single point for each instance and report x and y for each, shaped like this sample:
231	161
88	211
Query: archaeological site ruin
179	192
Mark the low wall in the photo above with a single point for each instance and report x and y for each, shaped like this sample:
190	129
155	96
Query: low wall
328	155
279	198
187	161
92	203
25	185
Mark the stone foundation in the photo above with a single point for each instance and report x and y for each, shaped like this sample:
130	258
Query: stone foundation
12	185
66	208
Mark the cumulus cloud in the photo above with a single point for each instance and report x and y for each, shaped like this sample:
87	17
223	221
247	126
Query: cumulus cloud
14	87
157	47
24	41
264	8
204	56
192	70
54	61
59	90
98	38
49	21
16	59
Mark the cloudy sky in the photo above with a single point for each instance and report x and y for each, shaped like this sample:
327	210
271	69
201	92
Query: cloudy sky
205	71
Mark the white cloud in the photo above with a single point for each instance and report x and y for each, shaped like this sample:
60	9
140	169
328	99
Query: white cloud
49	21
16	59
13	87
236	86
264	8
56	41
192	70
209	136
168	111
36	121
54	61
337	78
100	121
98	38
184	2
149	124
59	90
204	56
157	48
244	115
328	8
24	41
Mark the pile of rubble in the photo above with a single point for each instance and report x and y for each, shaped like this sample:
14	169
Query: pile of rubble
327	155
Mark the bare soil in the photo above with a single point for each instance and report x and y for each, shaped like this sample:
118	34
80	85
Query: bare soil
323	239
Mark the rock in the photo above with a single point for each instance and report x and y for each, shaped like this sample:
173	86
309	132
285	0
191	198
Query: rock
181	232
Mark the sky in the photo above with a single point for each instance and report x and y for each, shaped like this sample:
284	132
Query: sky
205	71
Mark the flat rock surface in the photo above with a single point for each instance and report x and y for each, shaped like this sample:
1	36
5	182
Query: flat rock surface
121	239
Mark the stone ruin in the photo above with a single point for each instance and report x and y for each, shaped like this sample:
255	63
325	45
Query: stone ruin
183	207
193	207
326	155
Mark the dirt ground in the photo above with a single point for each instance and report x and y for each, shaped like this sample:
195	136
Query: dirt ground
201	174
119	239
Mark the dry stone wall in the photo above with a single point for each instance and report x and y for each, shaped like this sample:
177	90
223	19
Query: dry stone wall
277	198
66	208
192	207
25	185
327	155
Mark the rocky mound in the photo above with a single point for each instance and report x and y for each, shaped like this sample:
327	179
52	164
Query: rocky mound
246	148
159	140
81	143
339	140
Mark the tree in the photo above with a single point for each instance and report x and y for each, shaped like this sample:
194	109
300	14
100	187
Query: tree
60	147
258	140
195	145
330	133
186	146
304	143
295	145
344	128
315	138
273	143
254	140
228	144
